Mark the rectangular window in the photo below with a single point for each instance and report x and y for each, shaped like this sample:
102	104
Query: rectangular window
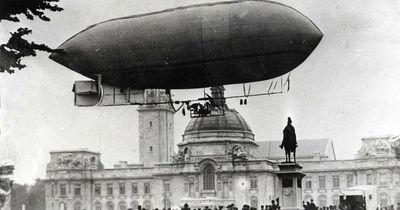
166	186
335	182
63	189
350	180
147	188
383	179
321	182
52	190
122	188
97	189
77	189
134	189
370	179
109	189
308	183
253	182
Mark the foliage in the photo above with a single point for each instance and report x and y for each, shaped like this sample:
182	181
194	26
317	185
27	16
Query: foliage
32	196
37	200
19	196
30	8
17	47
5	183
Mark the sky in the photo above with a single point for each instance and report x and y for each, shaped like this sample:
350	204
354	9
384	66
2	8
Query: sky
347	89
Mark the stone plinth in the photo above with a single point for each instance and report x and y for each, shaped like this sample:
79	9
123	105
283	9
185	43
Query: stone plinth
290	191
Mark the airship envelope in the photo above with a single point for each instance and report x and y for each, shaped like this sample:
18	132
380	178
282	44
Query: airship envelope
194	46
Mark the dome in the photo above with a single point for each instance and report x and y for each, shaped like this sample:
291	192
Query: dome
215	136
231	121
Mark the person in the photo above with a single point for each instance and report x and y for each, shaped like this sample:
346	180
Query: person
231	206
185	206
273	206
306	206
312	205
246	207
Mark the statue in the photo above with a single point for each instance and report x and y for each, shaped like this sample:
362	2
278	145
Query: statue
237	153
289	141
181	157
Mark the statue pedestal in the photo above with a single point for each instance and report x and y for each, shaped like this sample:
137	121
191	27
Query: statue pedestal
290	189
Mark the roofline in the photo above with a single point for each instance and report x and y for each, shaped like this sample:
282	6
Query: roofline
74	151
372	137
334	153
212	131
198	141
297	140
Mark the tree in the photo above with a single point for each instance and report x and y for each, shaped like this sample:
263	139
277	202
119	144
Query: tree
37	199
32	196
17	47
19	196
6	169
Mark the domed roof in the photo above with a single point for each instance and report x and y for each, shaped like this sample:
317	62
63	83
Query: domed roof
230	121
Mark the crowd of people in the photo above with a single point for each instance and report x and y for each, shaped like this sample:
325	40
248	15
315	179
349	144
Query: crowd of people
309	205
273	206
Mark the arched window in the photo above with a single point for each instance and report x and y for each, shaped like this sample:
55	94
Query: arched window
121	205
147	205
166	203
383	199
209	183
63	206
335	200
77	206
134	205
322	201
397	198
97	206
110	205
307	198
254	202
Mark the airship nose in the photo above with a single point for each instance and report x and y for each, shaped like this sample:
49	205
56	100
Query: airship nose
58	56
61	57
69	55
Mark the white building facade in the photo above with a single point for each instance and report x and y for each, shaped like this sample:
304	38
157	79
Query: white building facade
77	180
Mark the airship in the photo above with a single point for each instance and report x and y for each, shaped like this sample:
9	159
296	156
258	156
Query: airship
194	46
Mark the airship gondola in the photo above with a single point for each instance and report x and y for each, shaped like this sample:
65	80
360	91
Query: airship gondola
192	47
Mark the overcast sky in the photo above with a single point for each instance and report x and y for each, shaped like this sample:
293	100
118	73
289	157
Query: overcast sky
347	89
